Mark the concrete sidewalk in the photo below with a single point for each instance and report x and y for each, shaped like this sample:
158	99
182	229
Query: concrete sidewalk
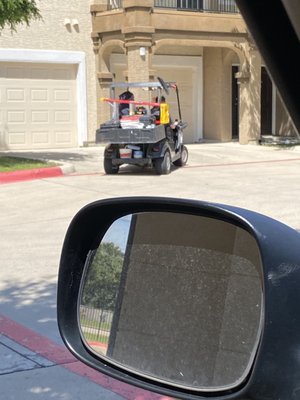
43	379
53	372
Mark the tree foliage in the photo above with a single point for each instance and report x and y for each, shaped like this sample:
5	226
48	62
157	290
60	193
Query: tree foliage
103	277
14	12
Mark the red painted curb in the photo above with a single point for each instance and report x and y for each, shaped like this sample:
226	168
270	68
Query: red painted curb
232	164
61	356
35	342
26	175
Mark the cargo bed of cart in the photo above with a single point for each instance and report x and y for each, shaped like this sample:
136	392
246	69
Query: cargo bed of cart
122	136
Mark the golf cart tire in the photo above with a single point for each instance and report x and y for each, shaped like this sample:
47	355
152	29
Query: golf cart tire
163	165
183	157
109	168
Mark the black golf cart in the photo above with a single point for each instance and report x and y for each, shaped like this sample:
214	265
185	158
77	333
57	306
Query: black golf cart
142	132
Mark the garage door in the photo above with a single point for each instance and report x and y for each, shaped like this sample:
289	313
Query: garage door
183	76
37	106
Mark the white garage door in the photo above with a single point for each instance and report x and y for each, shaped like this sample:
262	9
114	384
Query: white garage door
37	106
186	72
183	78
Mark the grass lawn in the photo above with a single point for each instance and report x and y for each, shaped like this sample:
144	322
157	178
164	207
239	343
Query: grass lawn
10	164
94	337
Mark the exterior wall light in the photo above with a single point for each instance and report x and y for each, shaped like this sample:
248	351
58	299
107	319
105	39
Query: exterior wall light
142	51
67	22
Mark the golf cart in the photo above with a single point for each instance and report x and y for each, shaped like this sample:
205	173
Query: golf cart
141	132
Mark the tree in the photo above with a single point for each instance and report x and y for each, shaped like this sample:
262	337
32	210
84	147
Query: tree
103	277
14	12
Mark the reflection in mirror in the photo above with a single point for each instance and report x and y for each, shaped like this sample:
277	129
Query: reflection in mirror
175	297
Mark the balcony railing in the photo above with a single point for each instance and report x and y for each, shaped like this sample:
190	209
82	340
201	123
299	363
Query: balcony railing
114	4
217	6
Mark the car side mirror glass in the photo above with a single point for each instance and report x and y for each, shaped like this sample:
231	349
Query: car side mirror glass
174	297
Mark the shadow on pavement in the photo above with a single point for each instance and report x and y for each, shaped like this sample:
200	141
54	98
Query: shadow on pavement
31	304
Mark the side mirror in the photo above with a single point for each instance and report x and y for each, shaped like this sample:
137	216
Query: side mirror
185	298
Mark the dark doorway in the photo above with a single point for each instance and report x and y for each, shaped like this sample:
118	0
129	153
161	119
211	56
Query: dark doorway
235	103
266	102
266	94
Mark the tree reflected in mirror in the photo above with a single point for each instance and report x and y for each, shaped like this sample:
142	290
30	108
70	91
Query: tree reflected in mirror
99	295
175	297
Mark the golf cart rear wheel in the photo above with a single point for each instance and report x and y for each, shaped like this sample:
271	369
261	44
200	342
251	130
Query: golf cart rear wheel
163	165
109	168
183	157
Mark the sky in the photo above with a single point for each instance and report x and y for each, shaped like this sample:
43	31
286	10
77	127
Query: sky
118	232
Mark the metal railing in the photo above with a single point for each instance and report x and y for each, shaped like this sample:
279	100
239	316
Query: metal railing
114	4
95	324
217	6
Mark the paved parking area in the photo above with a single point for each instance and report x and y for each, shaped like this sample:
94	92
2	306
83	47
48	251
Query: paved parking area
35	216
262	178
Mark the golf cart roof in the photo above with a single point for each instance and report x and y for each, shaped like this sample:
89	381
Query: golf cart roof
150	85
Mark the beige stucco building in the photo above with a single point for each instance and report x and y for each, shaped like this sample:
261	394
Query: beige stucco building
53	73
48	79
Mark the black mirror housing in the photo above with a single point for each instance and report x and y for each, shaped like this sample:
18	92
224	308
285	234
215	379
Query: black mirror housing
275	371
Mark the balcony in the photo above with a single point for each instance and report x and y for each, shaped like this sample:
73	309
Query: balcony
212	6
216	6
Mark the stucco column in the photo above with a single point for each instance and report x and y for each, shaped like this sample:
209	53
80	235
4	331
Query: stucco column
104	79
138	31
104	109
138	68
217	95
250	109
